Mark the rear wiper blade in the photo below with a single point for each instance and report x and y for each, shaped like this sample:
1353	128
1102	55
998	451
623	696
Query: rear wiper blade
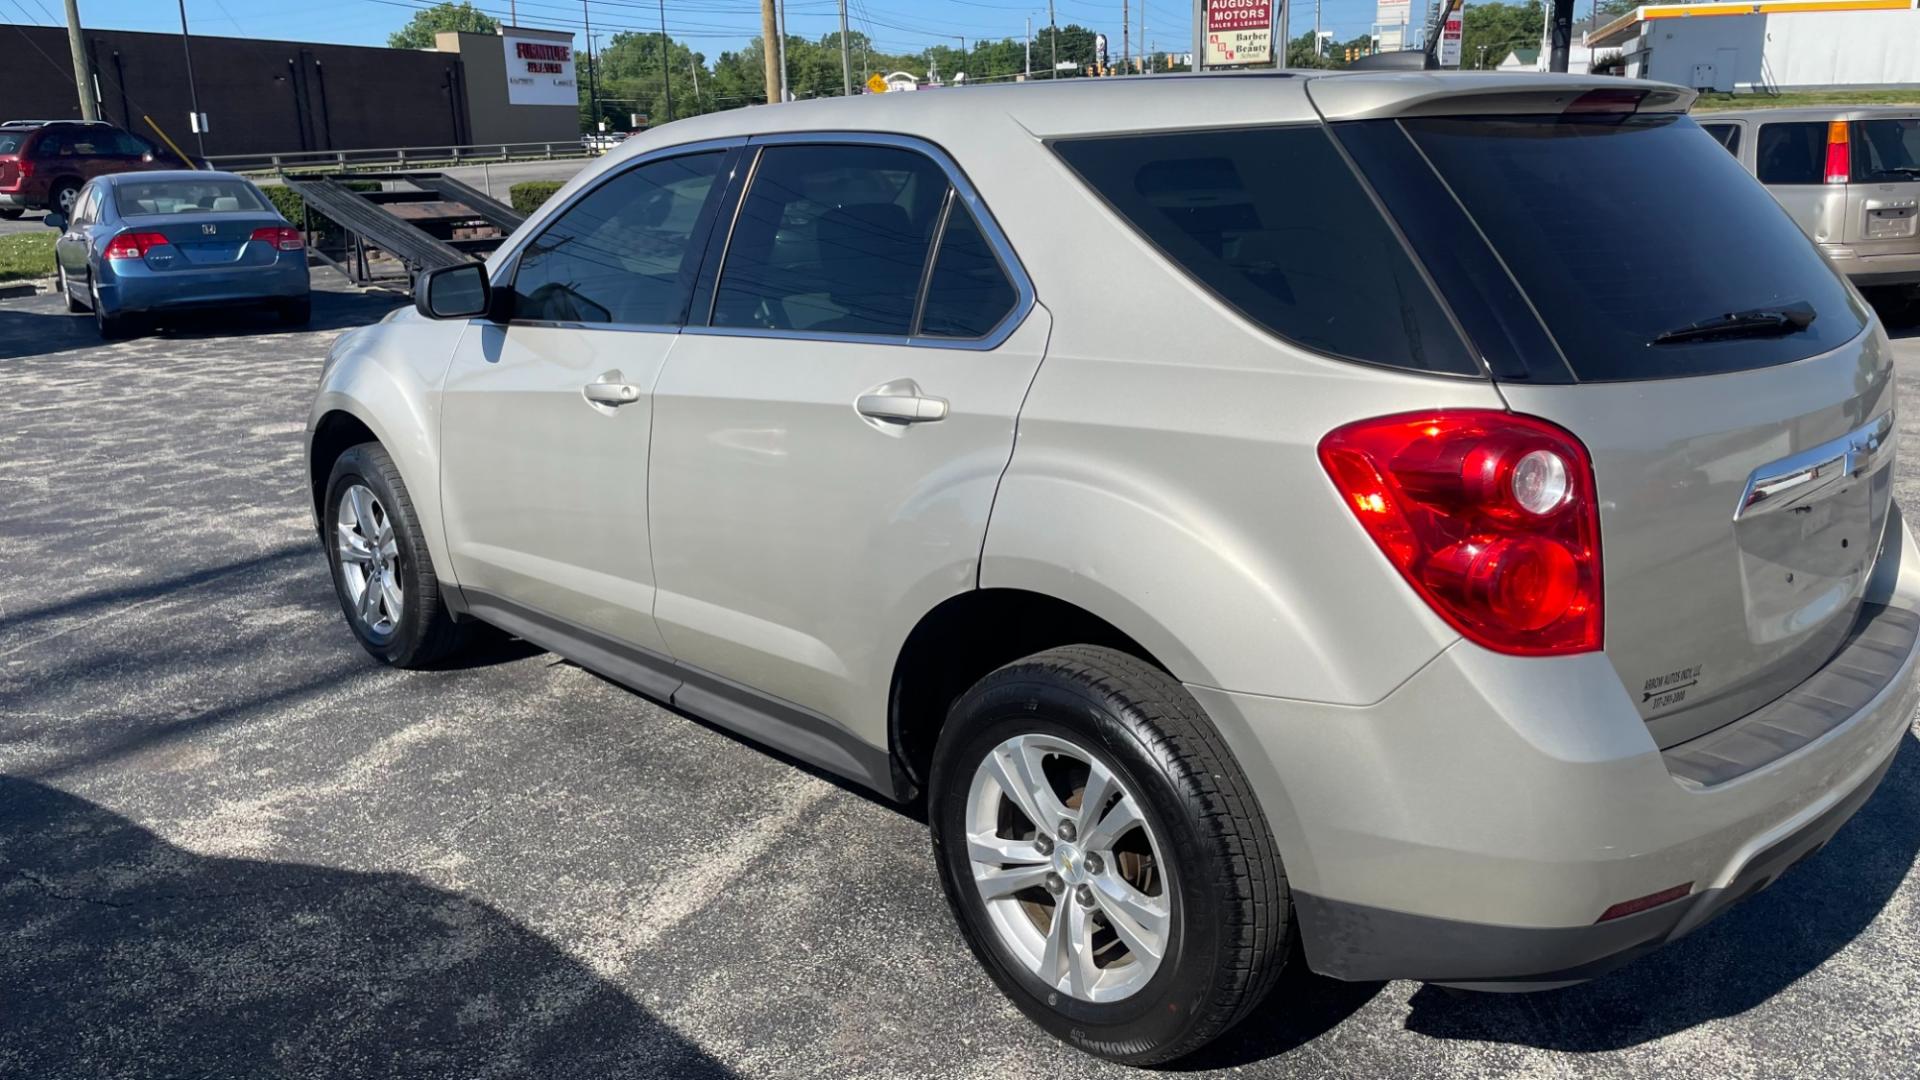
1758	322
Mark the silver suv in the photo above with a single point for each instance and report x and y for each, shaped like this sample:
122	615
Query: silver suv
1849	176
1262	516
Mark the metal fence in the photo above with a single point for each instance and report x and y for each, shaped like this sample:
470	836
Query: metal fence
401	157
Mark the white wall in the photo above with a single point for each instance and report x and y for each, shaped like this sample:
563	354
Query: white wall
1787	51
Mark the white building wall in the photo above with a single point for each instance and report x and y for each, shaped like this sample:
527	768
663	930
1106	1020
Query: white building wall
1784	51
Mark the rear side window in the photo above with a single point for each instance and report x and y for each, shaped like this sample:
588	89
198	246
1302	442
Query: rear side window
1622	229
831	239
619	255
1274	222
969	292
1727	135
1791	153
1886	151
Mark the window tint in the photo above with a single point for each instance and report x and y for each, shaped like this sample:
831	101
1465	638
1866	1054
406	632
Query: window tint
10	142
1276	223
1549	194
617	255
127	145
53	143
969	292
1727	135
1886	151
1791	153
832	239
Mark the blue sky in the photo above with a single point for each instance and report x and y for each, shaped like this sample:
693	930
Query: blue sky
709	26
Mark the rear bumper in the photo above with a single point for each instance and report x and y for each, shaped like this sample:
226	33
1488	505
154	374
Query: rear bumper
1474	826
1893	268
137	289
19	201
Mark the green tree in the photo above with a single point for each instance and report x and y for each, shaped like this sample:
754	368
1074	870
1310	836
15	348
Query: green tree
1491	31
419	31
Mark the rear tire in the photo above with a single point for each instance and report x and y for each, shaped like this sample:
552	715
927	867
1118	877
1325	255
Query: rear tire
111	327
366	495
1214	884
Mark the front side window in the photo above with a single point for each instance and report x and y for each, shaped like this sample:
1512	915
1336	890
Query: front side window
1886	151
831	239
1791	153
619	254
140	197
1276	224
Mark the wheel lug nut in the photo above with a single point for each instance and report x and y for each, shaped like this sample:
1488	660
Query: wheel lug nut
1095	865
1066	831
1042	844
1085	895
1055	884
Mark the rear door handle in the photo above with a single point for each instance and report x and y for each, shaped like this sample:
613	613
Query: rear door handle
902	408
611	394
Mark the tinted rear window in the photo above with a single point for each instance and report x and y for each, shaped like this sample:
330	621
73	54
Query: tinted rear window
1886	151
185	197
10	142
1622	228
1276	224
1792	153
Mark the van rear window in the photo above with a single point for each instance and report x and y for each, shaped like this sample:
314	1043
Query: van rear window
1624	230
1277	225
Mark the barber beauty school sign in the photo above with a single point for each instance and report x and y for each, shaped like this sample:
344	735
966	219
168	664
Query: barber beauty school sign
539	68
1238	32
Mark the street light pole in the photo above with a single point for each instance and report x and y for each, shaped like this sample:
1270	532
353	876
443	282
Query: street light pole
593	90
82	72
1053	38
193	94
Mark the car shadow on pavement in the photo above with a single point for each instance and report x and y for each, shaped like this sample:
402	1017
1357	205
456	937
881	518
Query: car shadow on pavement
122	954
37	328
1736	962
1303	1007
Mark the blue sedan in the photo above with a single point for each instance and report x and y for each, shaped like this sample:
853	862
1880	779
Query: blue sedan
140	244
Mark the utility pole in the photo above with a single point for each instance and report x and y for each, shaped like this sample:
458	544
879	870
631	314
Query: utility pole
780	13
1029	48
82	72
770	45
846	54
1283	5
193	94
1560	34
593	92
693	69
1316	28
1126	29
1053	38
666	81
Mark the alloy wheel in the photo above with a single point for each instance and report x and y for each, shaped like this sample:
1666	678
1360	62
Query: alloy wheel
369	561
1069	868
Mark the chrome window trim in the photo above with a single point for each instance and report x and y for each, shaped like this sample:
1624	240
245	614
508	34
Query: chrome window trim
1025	296
511	253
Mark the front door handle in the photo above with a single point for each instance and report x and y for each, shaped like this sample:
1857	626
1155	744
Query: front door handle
902	408
612	394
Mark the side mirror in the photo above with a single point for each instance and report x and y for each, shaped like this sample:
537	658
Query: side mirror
55	221
453	292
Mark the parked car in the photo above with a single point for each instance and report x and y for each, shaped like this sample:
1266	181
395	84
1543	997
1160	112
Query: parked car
141	244
1850	176
1250	510
43	163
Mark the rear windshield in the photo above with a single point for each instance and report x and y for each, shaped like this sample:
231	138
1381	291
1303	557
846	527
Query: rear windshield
186	197
1886	151
1276	224
10	142
1620	229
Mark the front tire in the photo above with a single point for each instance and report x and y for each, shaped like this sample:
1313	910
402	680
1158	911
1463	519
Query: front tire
383	575
1147	911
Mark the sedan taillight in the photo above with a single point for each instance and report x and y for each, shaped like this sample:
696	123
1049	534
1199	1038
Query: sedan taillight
283	237
1491	517
134	245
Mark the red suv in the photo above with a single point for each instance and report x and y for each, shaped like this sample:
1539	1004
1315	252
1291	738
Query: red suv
44	162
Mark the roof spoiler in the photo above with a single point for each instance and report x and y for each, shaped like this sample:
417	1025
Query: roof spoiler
1367	96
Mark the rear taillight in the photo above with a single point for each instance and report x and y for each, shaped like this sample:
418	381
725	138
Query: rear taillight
1490	516
134	245
25	166
1839	153
283	237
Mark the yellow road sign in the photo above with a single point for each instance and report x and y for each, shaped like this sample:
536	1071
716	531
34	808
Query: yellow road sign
876	84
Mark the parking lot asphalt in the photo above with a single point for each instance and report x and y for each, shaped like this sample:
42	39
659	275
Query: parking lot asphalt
232	846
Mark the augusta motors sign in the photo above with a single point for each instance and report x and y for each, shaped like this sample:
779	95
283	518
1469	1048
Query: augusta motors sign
540	70
1239	32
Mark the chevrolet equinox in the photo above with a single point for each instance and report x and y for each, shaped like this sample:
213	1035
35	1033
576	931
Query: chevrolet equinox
1417	526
